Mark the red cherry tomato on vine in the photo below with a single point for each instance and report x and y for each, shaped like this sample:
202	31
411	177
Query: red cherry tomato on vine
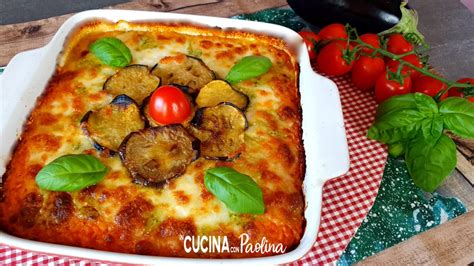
385	88
371	39
169	105
330	59
366	70
429	86
310	39
412	59
397	44
457	92
333	31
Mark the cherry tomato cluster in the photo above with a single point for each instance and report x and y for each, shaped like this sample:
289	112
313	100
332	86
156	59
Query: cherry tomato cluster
334	55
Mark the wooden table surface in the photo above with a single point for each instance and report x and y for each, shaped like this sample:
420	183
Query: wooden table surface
452	242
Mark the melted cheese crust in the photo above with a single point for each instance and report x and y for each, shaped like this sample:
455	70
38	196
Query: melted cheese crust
117	215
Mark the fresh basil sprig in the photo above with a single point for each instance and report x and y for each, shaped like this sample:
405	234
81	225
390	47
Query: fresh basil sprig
414	124
237	191
70	173
249	67
111	51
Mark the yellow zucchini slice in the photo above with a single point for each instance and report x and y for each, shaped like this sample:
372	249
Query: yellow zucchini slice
218	91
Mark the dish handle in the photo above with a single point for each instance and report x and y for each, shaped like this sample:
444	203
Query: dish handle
324	124
15	82
24	63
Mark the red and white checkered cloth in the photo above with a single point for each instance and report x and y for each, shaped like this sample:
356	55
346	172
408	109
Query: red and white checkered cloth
14	256
346	199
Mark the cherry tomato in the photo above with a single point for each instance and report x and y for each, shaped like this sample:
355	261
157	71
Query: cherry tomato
429	86
397	44
366	70
330	59
371	39
169	105
310	39
385	88
333	31
456	92
412	59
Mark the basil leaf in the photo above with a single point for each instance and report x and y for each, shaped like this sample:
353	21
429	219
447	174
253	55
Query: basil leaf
458	116
412	101
425	103
394	135
237	191
396	103
432	128
429	162
396	126
70	173
111	51
249	67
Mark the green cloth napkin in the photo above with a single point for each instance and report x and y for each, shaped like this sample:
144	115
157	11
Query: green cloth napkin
401	210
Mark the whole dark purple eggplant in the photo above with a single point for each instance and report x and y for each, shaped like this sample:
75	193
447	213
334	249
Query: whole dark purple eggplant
365	15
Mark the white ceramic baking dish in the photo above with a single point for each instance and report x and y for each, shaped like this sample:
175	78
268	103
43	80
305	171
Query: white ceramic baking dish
324	137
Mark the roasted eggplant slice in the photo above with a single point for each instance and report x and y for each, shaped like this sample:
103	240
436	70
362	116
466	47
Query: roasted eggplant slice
134	81
220	130
145	109
155	155
184	89
108	126
218	91
183	70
